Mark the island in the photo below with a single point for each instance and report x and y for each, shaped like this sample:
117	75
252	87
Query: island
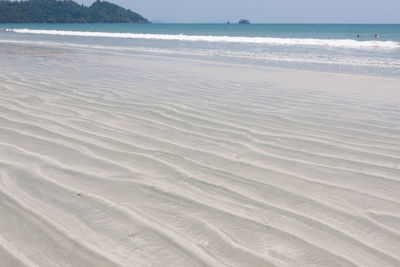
65	11
244	21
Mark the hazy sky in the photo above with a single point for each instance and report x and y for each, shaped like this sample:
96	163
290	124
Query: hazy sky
290	11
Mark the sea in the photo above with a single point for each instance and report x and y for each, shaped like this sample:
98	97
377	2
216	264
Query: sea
372	49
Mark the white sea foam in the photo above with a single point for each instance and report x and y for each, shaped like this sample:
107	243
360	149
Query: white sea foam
281	57
342	43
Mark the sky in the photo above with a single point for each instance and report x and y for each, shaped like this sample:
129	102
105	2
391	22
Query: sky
265	11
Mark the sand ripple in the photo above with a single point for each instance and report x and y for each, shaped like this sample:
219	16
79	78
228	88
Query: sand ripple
108	160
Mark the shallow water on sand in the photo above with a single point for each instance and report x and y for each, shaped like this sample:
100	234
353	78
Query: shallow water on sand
333	48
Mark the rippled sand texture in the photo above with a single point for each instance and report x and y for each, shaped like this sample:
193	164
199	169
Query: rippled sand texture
189	163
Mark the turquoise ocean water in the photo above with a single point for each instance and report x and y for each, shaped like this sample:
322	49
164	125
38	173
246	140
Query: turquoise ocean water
325	47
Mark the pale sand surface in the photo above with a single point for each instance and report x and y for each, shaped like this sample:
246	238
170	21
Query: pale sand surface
189	163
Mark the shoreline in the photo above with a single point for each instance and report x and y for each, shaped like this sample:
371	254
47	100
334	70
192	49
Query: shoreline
106	50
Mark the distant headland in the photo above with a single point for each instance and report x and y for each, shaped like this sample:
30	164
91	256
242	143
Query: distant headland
65	11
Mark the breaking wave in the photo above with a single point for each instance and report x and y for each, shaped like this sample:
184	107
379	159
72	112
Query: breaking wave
342	43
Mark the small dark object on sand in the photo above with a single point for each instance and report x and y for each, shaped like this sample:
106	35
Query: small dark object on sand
78	194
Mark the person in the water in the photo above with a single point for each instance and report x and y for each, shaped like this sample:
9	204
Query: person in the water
376	36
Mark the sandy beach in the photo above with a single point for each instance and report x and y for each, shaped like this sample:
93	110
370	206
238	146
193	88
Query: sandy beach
109	159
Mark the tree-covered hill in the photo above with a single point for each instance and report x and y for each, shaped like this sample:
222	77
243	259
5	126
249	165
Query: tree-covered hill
65	11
